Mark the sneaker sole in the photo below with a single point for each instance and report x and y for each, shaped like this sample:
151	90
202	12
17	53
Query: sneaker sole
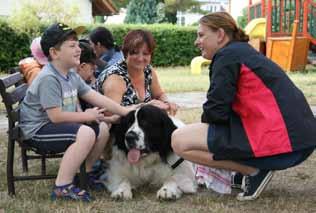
263	184
236	186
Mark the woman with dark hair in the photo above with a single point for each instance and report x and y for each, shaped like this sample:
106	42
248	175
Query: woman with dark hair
255	120
101	40
134	80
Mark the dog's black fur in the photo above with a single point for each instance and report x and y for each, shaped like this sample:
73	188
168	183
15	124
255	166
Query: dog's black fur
155	123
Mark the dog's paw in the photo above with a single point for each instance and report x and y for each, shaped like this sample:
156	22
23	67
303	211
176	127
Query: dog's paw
123	192
169	192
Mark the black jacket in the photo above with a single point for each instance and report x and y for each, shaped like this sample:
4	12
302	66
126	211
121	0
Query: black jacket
254	107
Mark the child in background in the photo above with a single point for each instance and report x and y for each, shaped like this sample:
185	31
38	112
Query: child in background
86	70
102	41
31	66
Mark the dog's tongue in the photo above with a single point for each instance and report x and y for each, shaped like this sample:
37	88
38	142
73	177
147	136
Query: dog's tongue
133	156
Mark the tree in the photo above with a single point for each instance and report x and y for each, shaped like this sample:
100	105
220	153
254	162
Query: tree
141	12
157	11
172	6
121	3
32	15
243	19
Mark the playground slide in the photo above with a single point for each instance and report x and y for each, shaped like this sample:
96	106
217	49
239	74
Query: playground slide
256	28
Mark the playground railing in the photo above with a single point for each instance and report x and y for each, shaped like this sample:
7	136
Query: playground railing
309	29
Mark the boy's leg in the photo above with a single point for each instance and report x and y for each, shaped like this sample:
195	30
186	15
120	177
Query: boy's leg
75	155
98	148
190	142
74	139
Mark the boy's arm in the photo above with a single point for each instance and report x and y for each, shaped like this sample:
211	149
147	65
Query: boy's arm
50	96
96	99
56	115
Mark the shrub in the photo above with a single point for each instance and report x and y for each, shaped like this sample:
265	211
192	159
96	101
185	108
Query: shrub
174	43
13	46
32	15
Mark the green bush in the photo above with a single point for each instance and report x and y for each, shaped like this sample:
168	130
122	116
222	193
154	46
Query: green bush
175	44
13	46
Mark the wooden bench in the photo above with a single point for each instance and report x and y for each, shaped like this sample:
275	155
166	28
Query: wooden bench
13	89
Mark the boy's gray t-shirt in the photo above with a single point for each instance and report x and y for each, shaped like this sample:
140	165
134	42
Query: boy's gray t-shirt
48	90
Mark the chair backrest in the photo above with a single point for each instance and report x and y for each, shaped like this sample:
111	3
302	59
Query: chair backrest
13	89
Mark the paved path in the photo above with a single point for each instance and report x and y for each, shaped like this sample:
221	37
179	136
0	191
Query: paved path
195	99
184	100
188	99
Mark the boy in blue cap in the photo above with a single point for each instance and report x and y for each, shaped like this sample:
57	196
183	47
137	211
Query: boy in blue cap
49	116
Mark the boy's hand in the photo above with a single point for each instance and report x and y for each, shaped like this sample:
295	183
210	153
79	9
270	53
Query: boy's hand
95	114
130	108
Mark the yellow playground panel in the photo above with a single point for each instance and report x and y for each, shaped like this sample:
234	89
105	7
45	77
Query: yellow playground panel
256	28
197	63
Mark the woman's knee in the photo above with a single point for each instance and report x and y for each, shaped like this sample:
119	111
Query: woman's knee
190	137
177	142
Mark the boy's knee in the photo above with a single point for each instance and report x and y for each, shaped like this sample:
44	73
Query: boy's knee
86	132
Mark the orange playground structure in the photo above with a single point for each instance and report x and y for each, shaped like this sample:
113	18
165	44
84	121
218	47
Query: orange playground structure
289	30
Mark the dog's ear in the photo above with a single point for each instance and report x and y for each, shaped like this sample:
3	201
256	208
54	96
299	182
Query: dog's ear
167	129
119	130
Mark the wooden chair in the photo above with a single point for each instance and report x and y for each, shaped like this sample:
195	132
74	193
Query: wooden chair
13	89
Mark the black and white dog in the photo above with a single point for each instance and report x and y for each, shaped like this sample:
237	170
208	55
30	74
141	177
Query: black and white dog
142	154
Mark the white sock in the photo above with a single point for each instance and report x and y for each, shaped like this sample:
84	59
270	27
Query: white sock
255	173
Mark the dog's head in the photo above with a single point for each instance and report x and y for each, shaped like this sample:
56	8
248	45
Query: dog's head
144	131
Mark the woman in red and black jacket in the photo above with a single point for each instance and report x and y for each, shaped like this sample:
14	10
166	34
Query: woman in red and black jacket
255	120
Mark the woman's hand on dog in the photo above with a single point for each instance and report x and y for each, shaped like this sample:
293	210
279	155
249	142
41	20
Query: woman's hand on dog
170	107
173	108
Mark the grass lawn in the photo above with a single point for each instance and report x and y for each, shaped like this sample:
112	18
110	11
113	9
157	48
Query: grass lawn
179	79
292	190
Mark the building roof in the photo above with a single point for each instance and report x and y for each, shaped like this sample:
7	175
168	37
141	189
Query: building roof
103	8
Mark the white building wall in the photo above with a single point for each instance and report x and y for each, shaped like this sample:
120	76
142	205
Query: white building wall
116	19
185	18
6	7
237	6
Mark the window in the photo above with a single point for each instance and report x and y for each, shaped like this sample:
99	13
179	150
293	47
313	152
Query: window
182	20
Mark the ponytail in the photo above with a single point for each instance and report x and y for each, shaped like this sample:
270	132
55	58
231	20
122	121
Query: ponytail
240	35
224	20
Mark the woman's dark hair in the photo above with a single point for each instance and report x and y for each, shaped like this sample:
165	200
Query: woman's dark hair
87	53
104	36
134	39
223	20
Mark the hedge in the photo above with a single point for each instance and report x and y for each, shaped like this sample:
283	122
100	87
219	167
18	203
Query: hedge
13	46
175	44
